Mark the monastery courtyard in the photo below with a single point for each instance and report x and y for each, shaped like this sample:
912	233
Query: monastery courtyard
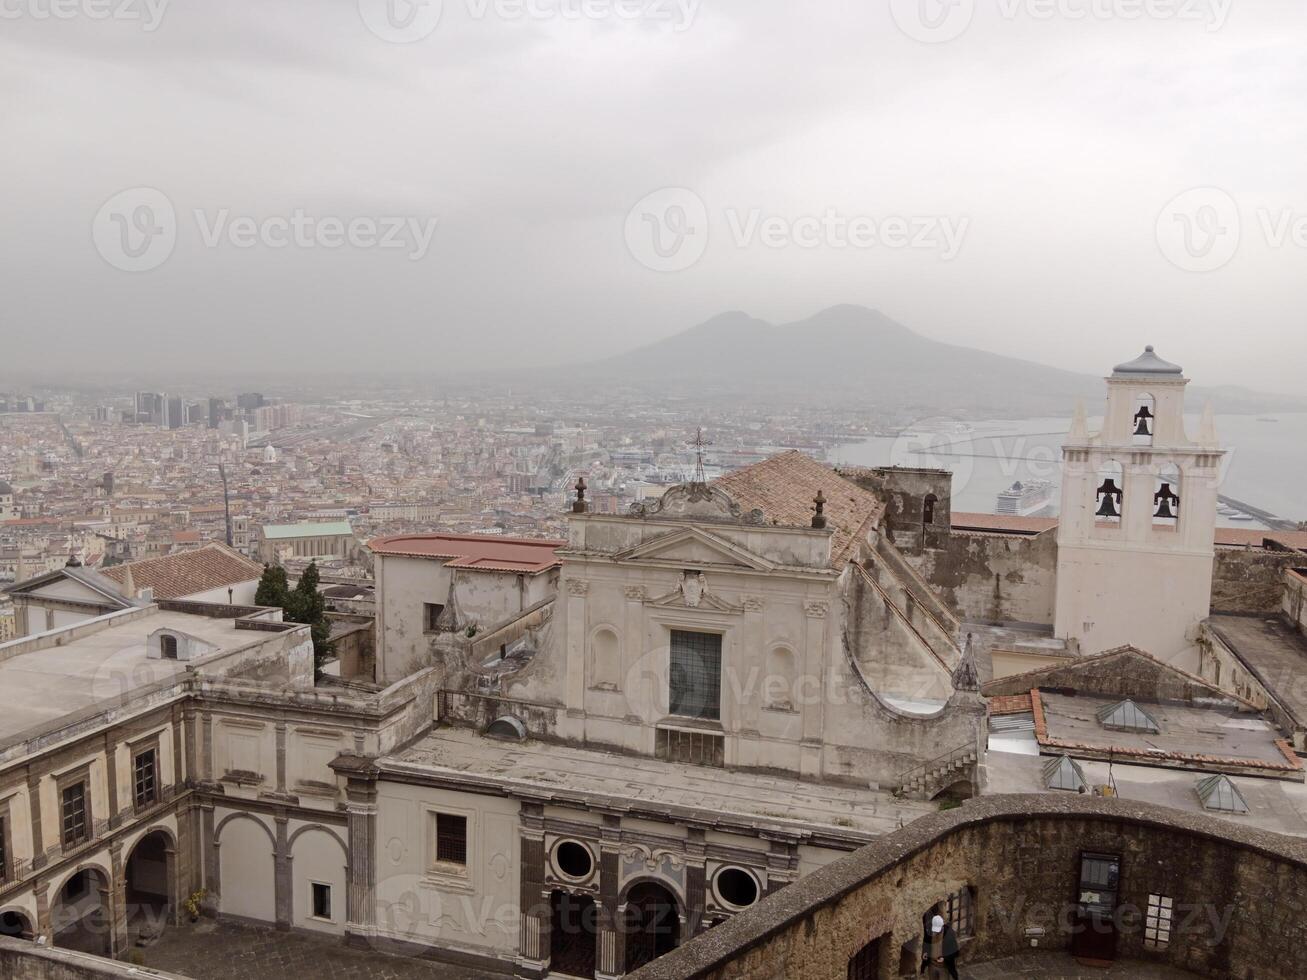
227	951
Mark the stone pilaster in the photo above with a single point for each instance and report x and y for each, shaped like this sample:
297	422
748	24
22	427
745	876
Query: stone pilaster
533	946
281	873
611	954
111	777
177	776
38	838
696	871
281	758
190	765
212	866
361	888
782	864
206	724
115	901
44	927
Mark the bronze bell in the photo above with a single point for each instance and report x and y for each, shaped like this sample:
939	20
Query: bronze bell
1168	503
1142	418
1109	498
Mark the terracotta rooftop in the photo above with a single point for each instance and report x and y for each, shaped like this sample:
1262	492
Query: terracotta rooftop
187	572
480	551
783	488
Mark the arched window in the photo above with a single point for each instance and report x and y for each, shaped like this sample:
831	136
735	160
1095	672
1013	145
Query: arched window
1109	497
928	509
1166	497
605	660
168	646
1145	418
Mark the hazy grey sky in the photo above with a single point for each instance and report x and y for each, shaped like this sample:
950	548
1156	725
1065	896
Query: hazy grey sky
1035	160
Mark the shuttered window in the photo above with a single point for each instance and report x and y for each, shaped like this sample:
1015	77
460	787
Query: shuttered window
451	839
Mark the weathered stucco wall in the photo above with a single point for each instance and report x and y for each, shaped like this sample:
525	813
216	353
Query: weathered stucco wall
1250	580
20	959
1237	893
995	578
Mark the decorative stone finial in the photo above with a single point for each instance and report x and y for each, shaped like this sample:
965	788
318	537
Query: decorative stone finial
965	675
819	516
580	506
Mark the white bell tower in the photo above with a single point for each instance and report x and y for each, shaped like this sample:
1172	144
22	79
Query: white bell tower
1135	538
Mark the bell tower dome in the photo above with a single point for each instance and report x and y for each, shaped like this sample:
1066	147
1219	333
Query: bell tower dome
1135	537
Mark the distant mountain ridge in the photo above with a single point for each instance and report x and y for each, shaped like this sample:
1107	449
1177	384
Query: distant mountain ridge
852	353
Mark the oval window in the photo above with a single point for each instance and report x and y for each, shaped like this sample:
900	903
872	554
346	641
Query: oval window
736	887
573	859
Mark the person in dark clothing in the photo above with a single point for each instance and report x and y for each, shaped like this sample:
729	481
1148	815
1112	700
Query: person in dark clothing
940	950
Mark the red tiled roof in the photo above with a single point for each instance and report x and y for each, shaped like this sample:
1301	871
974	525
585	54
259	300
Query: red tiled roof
479	551
783	488
1241	537
1010	704
187	572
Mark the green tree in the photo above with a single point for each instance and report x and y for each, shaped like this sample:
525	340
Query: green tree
306	605
274	589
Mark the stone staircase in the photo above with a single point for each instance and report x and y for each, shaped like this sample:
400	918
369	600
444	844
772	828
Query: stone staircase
925	780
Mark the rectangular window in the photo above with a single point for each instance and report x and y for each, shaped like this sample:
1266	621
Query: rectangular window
958	911
430	614
145	781
73	810
451	839
321	901
1157	924
695	675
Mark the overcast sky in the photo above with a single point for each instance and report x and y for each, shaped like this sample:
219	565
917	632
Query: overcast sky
1016	175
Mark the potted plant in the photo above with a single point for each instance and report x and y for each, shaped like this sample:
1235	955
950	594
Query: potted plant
192	904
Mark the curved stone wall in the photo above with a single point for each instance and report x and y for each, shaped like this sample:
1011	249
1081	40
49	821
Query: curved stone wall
1238	896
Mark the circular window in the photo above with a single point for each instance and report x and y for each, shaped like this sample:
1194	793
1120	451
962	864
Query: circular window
573	859
736	887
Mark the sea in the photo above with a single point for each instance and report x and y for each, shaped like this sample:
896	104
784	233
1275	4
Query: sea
1265	464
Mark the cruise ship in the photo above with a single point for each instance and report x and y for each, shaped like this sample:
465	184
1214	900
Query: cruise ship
1031	498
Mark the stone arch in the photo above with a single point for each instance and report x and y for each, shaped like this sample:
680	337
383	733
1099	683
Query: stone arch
217	831
246	872
928	508
16	922
651	924
604	660
81	910
150	882
323	861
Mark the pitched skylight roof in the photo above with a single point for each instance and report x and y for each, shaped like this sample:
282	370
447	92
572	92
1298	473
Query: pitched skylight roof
1126	716
1218	793
1062	772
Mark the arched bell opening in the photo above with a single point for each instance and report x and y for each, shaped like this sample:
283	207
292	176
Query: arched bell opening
1166	498
1142	426
1109	497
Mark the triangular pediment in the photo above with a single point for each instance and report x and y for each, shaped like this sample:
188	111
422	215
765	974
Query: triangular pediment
693	546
